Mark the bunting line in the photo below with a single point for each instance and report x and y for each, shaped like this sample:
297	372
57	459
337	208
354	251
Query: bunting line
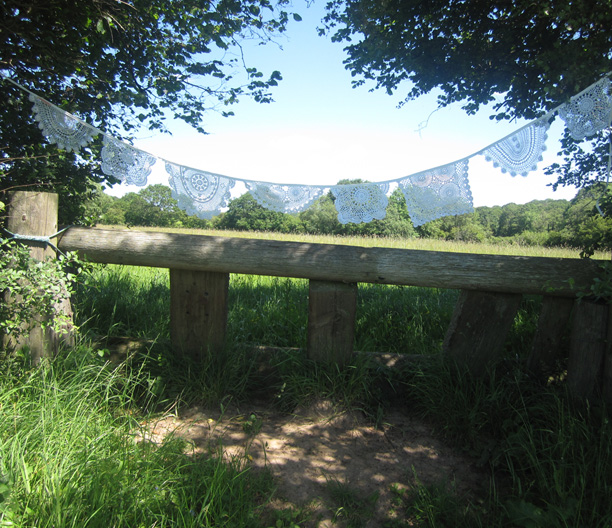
430	194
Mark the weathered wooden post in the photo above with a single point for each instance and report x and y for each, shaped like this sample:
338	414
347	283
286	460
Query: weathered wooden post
587	349
478	328
331	321
198	312
35	214
607	364
551	341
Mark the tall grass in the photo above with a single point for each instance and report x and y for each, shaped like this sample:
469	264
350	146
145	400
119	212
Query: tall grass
125	301
272	311
68	457
551	455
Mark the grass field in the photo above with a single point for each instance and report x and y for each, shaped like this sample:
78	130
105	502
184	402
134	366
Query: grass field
68	458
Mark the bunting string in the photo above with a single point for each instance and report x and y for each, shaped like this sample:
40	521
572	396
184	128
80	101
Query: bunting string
429	194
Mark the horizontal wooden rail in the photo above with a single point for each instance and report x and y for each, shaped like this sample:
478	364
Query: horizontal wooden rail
328	262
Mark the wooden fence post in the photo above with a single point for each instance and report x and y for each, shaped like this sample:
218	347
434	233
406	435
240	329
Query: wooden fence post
478	328
607	366
551	341
198	312
35	214
587	349
331	321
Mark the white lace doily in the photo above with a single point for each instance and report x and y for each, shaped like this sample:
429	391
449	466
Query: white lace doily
429	194
283	198
361	202
60	127
590	111
438	192
123	161
199	192
520	152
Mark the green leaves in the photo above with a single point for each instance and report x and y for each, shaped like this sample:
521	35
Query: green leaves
525	57
33	291
122	66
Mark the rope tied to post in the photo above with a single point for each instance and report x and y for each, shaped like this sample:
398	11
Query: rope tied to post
42	239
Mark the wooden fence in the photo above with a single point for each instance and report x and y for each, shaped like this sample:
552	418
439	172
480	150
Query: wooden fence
491	287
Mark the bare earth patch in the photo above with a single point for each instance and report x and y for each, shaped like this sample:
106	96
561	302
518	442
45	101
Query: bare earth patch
317	445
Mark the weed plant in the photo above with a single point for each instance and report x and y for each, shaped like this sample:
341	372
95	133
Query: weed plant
351	509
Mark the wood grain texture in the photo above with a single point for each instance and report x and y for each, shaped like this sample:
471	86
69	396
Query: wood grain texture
478	328
331	321
587	349
551	340
198	312
349	264
35	214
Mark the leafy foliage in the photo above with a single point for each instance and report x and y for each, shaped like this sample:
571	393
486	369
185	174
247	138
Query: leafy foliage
122	66
535	54
576	223
33	291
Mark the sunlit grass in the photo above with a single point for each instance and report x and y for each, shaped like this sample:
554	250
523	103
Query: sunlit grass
133	301
69	456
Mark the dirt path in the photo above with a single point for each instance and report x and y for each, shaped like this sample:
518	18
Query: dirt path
312	447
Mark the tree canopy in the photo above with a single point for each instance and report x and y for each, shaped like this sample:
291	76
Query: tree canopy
122	66
535	54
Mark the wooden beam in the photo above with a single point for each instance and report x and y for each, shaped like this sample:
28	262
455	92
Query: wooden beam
198	312
331	321
478	329
336	263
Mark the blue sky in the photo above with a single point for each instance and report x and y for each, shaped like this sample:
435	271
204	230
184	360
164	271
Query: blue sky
320	130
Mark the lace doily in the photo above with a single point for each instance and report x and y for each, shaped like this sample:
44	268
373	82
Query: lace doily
123	161
284	198
520	152
590	111
60	127
199	192
429	194
438	192
361	202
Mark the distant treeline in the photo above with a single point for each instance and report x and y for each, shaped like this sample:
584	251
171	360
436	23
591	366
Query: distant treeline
576	223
